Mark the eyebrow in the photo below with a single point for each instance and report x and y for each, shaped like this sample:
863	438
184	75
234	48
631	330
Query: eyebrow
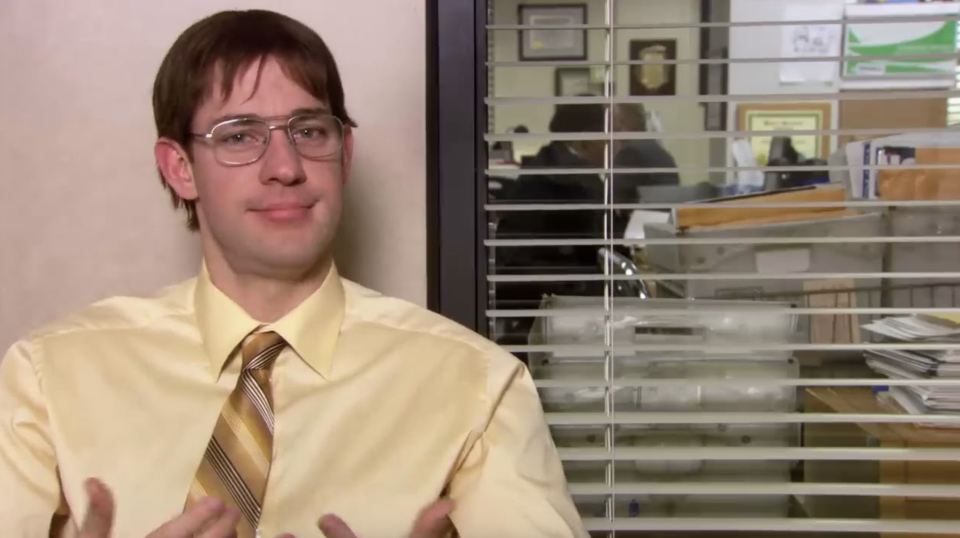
294	112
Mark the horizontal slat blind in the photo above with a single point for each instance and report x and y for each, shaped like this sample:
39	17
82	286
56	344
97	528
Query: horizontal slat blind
712	227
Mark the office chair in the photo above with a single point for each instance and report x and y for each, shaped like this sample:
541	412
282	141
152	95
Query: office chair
622	265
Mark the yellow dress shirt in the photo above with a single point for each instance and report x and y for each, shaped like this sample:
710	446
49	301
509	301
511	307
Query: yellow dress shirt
381	407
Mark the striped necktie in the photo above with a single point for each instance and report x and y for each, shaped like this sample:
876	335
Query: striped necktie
237	461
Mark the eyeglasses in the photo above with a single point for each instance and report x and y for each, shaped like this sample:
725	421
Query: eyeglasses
243	141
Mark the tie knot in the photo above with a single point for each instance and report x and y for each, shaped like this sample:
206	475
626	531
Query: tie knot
259	350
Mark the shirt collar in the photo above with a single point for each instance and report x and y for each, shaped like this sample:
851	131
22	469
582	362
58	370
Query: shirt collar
311	328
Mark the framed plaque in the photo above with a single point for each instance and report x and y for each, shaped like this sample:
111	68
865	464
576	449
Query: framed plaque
571	81
553	43
653	78
799	116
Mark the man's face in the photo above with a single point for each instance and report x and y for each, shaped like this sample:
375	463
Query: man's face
277	216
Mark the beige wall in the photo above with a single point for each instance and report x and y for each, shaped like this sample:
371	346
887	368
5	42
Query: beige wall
82	213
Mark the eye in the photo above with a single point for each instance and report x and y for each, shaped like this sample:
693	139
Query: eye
309	133
237	138
242	133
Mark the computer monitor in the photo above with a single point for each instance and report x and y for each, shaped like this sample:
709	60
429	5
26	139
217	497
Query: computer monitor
782	152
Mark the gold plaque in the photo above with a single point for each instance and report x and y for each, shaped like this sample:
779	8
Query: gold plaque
657	77
654	76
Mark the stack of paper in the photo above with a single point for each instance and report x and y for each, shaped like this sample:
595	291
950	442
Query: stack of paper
909	402
919	364
914	328
922	364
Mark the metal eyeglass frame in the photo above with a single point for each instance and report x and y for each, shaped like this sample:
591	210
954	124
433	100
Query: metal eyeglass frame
286	126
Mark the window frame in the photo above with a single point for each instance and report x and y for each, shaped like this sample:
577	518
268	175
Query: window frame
456	119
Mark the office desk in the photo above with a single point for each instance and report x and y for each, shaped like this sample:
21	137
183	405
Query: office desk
861	400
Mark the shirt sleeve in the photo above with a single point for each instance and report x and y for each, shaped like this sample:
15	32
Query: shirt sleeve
511	483
28	471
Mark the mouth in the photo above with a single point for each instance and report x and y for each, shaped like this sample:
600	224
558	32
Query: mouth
284	213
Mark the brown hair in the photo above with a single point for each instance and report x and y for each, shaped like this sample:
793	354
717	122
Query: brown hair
226	43
631	117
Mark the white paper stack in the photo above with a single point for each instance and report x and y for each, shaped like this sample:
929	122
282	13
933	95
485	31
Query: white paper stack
920	364
914	328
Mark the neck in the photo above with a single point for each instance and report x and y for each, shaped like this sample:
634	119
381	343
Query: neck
266	298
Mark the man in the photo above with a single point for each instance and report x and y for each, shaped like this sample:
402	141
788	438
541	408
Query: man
562	187
268	394
642	153
559	188
548	187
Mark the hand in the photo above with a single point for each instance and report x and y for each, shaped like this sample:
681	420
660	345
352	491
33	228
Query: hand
433	522
207	519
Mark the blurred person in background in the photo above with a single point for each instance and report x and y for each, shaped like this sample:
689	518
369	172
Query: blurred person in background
557	182
558	188
639	153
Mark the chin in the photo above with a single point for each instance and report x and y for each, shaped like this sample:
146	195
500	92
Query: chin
280	251
298	261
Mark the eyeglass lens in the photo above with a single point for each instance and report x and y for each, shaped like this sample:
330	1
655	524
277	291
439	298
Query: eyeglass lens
245	140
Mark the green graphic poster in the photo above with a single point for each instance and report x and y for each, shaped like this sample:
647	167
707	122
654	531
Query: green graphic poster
881	43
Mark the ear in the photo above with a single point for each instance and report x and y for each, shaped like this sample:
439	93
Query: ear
175	166
347	153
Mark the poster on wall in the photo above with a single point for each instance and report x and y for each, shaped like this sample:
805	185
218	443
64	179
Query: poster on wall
811	41
928	47
653	78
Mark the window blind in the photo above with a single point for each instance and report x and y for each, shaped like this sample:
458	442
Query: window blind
723	235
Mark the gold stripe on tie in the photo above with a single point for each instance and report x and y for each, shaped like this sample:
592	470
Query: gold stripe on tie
236	464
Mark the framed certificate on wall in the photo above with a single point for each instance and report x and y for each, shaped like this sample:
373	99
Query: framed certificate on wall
570	81
779	118
553	42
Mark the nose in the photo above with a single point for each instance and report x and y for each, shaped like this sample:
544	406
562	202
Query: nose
281	162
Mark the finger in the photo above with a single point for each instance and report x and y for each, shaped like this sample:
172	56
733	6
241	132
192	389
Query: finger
224	526
434	520
191	521
98	522
333	527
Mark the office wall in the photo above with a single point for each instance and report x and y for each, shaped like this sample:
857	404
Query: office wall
531	80
765	42
83	215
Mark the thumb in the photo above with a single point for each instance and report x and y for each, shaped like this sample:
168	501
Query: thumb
333	527
434	521
98	522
